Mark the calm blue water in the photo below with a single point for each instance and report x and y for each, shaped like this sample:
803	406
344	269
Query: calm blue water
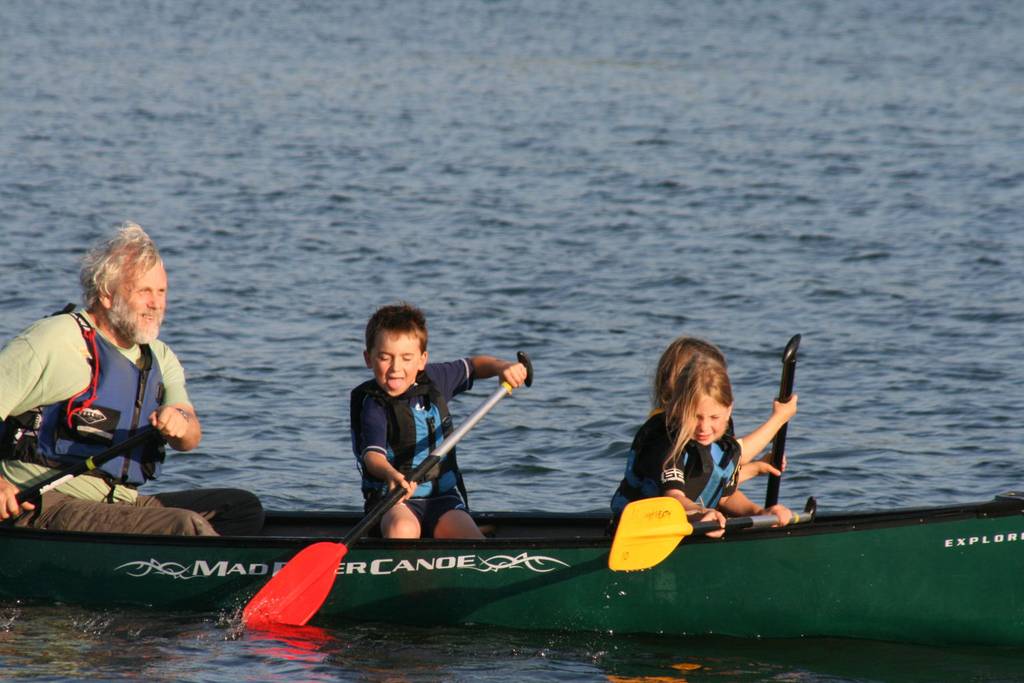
581	180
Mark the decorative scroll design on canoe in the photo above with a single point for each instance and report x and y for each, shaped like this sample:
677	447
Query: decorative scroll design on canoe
535	563
174	570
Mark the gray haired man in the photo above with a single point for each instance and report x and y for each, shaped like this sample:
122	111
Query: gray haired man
79	382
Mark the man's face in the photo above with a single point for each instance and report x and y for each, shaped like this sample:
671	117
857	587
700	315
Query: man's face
136	310
395	359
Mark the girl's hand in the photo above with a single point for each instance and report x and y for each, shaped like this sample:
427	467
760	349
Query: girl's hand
783	513
785	411
755	469
759	467
709	516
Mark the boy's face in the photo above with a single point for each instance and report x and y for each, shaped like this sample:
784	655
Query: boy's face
712	420
395	359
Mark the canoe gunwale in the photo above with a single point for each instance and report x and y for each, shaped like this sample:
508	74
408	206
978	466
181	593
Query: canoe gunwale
589	528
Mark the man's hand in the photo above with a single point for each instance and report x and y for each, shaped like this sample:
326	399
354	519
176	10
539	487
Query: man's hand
178	425
9	501
171	422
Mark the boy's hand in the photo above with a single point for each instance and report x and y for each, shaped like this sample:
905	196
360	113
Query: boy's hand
398	481
378	467
786	410
514	374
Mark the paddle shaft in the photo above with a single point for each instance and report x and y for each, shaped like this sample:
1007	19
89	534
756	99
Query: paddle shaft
735	523
752	522
84	466
779	443
432	460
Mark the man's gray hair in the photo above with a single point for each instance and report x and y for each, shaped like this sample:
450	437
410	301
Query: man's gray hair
122	258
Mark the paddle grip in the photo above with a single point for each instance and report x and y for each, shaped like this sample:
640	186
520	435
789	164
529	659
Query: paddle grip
525	360
779	442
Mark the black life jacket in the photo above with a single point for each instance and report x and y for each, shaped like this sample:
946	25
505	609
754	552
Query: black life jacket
707	473
412	435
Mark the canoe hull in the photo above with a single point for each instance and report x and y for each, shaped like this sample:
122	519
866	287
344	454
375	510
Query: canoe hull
847	585
942	575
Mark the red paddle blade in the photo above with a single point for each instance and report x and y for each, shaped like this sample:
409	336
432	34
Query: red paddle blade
294	594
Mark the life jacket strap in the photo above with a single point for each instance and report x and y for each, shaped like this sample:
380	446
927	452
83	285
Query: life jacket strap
89	335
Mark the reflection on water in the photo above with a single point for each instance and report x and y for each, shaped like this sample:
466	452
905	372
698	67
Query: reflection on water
77	644
70	644
294	643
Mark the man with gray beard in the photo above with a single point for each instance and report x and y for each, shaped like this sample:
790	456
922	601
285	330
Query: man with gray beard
79	382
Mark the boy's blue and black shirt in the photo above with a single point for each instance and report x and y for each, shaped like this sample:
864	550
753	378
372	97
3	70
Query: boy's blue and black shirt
407	428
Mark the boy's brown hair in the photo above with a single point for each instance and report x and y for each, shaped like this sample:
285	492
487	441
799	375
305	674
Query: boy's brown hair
400	318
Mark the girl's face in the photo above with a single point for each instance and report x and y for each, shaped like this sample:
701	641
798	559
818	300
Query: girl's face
712	420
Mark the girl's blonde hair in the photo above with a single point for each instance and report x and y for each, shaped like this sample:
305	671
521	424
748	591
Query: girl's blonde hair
673	359
702	376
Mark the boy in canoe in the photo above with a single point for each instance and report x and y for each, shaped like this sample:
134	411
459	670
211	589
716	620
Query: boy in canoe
686	448
401	415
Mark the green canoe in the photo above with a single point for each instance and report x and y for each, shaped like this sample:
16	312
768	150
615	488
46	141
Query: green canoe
943	575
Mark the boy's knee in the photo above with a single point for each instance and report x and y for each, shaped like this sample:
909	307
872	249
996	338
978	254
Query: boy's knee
401	528
457	524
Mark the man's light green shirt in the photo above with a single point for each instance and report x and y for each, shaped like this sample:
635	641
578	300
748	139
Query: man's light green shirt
48	363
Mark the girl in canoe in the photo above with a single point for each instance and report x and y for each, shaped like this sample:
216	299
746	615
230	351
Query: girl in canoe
687	450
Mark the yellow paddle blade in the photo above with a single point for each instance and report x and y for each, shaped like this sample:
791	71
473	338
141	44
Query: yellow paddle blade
649	530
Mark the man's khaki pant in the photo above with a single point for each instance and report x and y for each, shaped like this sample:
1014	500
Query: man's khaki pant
202	512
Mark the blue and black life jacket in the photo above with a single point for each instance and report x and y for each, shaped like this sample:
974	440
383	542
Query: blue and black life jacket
116	403
412	433
708	472
718	464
